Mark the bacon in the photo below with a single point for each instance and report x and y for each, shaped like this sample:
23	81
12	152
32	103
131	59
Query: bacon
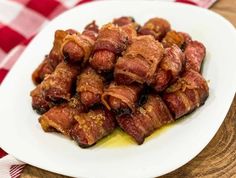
188	93
90	87
169	69
92	126
77	47
124	20
151	116
111	41
42	70
187	39
58	85
173	37
157	27
120	97
195	53
139	62
61	118
39	103
50	61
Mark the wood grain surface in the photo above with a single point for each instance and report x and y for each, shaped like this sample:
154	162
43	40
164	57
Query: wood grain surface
218	159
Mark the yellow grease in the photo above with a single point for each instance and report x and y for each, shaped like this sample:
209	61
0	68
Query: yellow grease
120	139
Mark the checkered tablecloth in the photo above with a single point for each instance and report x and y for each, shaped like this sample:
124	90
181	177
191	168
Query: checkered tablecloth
20	21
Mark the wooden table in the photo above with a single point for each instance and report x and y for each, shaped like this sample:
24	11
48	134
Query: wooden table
218	159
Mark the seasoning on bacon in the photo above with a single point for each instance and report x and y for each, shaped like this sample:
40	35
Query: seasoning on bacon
195	53
142	123
92	126
39	103
111	41
58	85
50	61
188	93
139	62
120	97
90	86
76	47
169	69
157	27
61	118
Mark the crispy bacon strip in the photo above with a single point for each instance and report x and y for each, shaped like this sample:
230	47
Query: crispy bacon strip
50	61
151	116
157	27
111	41
58	85
187	94
140	61
173	37
90	87
61	118
92	126
120	97
195	53
77	47
169	69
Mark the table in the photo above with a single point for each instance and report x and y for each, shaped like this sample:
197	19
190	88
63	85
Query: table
218	159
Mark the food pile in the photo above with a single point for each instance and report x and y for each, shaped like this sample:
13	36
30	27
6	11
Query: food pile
125	75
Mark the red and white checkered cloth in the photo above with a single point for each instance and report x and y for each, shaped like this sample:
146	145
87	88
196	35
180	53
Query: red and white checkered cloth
20	21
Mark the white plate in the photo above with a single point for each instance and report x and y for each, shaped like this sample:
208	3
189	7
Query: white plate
20	132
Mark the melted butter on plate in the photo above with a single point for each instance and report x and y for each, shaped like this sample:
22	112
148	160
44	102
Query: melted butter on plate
119	138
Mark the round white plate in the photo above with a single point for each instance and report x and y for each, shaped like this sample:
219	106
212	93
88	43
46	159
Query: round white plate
22	136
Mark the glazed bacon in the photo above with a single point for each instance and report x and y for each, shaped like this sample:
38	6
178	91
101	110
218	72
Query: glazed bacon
39	103
124	20
173	37
120	97
90	86
142	123
61	118
195	53
187	94
92	126
111	41
77	48
52	60
139	62
58	85
169	69
157	27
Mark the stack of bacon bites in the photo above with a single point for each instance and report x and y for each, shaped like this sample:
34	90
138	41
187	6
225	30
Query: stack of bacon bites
138	78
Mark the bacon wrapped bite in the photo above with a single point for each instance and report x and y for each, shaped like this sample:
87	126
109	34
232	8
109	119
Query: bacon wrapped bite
52	60
77	48
121	97
111	41
169	69
90	87
139	62
58	85
61	118
188	93
195	53
157	27
39	103
92	126
151	116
